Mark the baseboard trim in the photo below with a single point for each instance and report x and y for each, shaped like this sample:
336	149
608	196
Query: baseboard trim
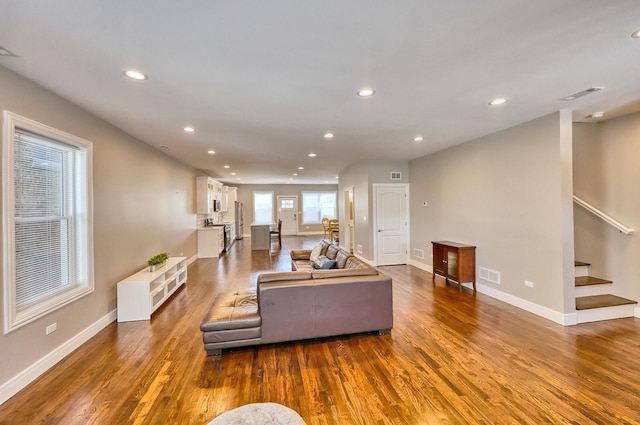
192	259
636	312
31	373
545	312
421	266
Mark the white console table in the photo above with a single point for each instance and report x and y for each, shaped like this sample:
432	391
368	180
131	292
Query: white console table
141	294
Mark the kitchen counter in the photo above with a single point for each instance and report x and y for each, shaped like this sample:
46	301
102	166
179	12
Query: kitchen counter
260	236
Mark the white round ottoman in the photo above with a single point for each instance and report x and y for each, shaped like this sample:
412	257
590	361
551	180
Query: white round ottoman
259	414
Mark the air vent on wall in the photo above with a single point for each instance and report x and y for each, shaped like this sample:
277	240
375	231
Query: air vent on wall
490	275
582	93
418	253
396	175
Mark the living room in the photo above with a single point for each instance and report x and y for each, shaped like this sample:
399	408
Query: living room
508	191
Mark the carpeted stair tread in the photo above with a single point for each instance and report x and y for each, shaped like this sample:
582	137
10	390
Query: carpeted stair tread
600	301
580	264
590	280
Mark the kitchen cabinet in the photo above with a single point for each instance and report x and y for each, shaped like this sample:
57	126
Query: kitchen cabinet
206	194
210	241
224	198
454	261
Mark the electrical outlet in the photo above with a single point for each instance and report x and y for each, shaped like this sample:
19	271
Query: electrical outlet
52	328
528	284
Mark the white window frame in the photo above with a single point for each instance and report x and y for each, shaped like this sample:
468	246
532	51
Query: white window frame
262	192
320	192
15	317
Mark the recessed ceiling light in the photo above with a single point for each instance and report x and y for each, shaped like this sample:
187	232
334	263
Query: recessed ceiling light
135	75
498	101
635	34
418	139
366	92
300	168
238	178
312	155
189	129
226	166
233	174
328	135
211	152
294	174
596	115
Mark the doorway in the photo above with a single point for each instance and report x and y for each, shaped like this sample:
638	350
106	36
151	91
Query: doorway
288	213
349	231
391	223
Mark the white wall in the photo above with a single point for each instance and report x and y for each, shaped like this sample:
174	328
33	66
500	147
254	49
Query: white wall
362	176
508	193
144	203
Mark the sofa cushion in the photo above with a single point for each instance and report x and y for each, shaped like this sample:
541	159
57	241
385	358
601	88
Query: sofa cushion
341	258
232	310
325	245
323	263
315	252
332	251
355	263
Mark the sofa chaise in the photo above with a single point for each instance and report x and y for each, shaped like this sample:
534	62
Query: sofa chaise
301	304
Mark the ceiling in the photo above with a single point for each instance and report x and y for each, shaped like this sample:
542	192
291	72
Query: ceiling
263	81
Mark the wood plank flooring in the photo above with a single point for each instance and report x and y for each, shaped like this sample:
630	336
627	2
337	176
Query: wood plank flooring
452	358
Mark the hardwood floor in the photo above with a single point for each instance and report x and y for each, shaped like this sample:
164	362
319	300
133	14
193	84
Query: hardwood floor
452	358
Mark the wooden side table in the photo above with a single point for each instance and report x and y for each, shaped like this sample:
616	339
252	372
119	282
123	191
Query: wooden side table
454	261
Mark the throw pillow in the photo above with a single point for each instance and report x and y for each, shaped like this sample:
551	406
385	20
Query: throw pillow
323	263
315	253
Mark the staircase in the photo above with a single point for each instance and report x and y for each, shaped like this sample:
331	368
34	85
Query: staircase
593	300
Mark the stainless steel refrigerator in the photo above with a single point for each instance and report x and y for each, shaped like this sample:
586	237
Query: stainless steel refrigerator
238	220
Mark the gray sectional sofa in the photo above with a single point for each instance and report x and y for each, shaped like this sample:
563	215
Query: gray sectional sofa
301	304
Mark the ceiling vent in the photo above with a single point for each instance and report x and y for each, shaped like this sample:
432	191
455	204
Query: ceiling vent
396	175
6	53
582	93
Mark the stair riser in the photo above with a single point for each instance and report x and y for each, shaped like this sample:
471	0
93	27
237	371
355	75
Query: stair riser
585	291
606	313
581	271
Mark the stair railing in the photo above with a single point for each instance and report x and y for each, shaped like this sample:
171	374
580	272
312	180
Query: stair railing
593	210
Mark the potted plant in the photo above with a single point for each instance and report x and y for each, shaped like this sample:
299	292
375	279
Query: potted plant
157	260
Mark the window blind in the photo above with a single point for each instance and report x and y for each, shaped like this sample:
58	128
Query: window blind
44	211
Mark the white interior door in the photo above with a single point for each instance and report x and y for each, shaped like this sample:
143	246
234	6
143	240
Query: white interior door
288	213
391	224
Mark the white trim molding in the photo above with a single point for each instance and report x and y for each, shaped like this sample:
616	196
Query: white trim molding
31	373
545	312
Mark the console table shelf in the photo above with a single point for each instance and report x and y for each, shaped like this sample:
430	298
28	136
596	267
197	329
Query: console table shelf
141	294
454	261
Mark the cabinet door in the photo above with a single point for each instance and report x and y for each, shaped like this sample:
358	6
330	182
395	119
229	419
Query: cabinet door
439	259
452	263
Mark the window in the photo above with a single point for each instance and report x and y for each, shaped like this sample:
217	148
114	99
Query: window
47	217
317	205
263	207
